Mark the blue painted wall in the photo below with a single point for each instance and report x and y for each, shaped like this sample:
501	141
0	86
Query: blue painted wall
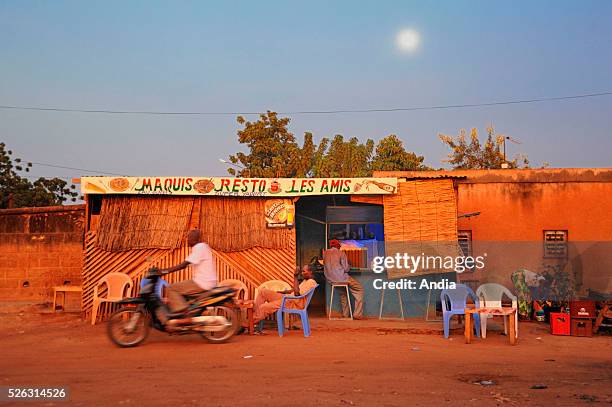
414	301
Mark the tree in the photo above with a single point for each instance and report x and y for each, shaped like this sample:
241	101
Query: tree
17	191
273	150
392	156
472	155
343	158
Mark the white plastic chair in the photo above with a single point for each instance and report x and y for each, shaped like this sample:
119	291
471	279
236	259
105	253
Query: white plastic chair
274	285
116	284
243	291
490	296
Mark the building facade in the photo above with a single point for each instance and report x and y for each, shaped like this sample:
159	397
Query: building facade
542	220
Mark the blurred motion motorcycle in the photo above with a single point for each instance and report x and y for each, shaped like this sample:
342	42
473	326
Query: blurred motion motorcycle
211	314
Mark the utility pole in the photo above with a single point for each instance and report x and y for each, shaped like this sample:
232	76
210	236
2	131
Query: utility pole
505	163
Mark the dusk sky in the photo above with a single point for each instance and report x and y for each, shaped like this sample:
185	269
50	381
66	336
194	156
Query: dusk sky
294	56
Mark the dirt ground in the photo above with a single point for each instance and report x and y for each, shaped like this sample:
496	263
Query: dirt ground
336	366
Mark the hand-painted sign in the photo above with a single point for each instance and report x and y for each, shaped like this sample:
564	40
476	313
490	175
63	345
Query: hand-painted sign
222	186
280	213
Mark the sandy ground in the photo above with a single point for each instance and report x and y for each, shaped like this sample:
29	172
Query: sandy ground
334	367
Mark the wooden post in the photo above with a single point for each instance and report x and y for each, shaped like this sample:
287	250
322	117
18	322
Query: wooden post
468	326
512	321
250	319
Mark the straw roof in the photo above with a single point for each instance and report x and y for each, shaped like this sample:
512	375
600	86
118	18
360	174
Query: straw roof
143	222
234	224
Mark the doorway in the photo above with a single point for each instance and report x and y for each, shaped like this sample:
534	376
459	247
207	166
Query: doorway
358	227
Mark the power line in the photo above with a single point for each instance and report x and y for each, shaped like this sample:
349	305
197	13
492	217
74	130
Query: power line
76	169
35	177
23	163
396	109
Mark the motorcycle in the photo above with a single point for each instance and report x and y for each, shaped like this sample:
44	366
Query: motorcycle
210	314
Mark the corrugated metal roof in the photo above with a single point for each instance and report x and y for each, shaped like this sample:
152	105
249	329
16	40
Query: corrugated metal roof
432	176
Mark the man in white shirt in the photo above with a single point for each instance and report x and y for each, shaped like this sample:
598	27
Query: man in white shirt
204	273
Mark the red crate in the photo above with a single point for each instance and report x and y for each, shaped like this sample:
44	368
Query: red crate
560	323
582	309
582	327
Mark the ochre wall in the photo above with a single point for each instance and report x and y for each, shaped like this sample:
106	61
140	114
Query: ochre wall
40	248
520	212
516	206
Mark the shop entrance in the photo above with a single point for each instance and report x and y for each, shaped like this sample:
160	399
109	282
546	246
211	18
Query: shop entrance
358	227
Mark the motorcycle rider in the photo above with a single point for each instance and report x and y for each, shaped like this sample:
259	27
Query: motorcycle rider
204	273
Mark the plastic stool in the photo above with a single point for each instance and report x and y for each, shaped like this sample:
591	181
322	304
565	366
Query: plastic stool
331	300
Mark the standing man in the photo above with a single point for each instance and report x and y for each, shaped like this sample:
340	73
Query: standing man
336	269
204	273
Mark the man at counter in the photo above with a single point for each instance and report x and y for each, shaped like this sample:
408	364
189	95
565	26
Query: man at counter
336	268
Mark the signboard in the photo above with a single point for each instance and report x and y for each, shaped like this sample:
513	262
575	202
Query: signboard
241	187
280	213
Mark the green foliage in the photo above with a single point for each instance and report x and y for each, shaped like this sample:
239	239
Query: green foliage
473	155
558	285
20	192
274	152
392	156
343	158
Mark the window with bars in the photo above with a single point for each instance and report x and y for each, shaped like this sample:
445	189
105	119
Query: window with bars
464	238
555	244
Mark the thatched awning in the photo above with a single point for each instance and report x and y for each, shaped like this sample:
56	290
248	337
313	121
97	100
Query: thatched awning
143	222
233	224
157	222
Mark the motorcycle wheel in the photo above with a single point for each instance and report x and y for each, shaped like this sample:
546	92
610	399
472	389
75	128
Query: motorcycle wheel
226	334
128	327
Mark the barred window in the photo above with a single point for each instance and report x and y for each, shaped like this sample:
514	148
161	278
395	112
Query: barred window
555	244
464	237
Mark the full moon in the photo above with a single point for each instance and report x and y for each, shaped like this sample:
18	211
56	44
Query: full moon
407	40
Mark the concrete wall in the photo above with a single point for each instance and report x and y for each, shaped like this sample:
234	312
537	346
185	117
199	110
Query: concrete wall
520	210
516	206
40	248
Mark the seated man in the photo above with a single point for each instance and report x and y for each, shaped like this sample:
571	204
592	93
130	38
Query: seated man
336	268
269	301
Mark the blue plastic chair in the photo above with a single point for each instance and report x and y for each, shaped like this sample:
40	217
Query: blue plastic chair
457	300
159	290
303	313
